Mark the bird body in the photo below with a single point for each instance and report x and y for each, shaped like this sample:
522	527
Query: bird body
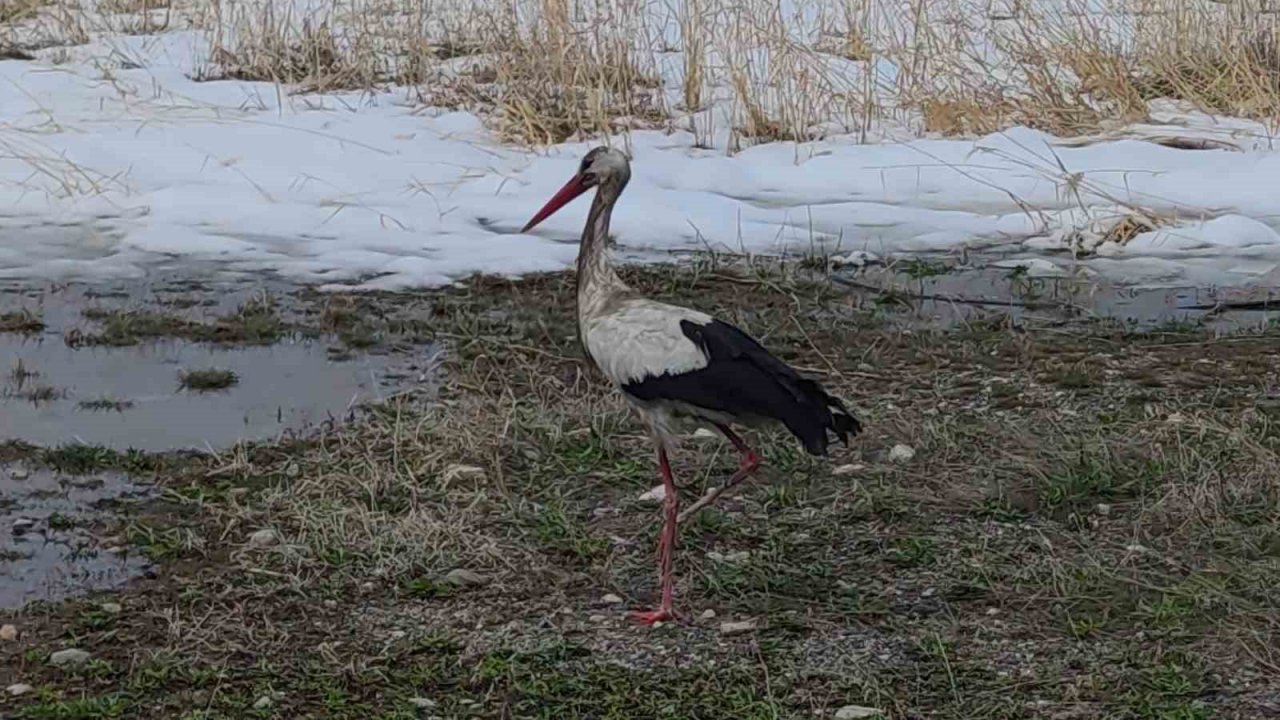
677	366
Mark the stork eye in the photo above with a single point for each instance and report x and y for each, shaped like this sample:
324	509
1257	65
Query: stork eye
589	177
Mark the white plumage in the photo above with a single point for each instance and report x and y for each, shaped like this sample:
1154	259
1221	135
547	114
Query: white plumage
640	338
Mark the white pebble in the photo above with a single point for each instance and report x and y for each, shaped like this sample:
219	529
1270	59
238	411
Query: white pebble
737	628
68	657
901	453
265	537
656	494
853	712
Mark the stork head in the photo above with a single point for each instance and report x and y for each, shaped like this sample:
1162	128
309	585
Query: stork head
603	166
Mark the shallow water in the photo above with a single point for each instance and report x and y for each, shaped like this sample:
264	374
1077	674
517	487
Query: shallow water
133	395
284	387
941	292
48	549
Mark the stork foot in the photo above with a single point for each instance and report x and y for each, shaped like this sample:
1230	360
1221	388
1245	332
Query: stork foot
649	617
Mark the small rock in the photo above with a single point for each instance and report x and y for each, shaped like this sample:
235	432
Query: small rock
597	618
901	453
857	258
848	469
611	599
265	537
737	628
853	712
18	689
704	433
292	470
114	550
657	494
707	614
23	525
1103	509
112	608
268	700
19	473
462	576
70	657
422	703
993	611
928	592
8	632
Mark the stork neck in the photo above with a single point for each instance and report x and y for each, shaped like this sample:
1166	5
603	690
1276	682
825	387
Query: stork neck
597	281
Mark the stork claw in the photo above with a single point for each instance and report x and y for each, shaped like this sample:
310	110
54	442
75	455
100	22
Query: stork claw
649	617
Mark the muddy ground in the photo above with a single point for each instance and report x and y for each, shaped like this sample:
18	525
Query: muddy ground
1081	521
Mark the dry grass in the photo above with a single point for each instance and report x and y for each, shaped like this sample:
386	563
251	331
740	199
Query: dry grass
12	11
1068	534
737	72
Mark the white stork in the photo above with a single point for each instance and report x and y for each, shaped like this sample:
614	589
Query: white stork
679	367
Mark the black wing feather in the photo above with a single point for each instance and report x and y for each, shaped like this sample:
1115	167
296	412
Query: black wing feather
741	378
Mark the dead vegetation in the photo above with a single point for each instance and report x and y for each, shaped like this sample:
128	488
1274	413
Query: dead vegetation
12	11
736	72
1063	537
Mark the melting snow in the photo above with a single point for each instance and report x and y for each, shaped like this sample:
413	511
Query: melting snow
112	173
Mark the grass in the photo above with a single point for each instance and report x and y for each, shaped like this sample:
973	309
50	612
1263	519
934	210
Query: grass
207	379
12	11
542	71
23	322
104	405
738	72
253	323
1046	550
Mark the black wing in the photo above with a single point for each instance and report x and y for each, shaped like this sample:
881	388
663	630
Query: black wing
742	379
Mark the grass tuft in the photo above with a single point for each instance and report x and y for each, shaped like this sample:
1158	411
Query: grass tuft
207	379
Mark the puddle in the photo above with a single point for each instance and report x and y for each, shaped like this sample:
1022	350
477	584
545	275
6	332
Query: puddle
48	550
131	398
53	393
943	293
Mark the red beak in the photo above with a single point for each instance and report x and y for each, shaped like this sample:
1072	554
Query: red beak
571	190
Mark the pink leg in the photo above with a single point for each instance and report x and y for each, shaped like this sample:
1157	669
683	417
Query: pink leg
750	462
666	544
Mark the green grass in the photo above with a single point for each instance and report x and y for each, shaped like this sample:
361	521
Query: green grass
207	379
253	323
90	708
